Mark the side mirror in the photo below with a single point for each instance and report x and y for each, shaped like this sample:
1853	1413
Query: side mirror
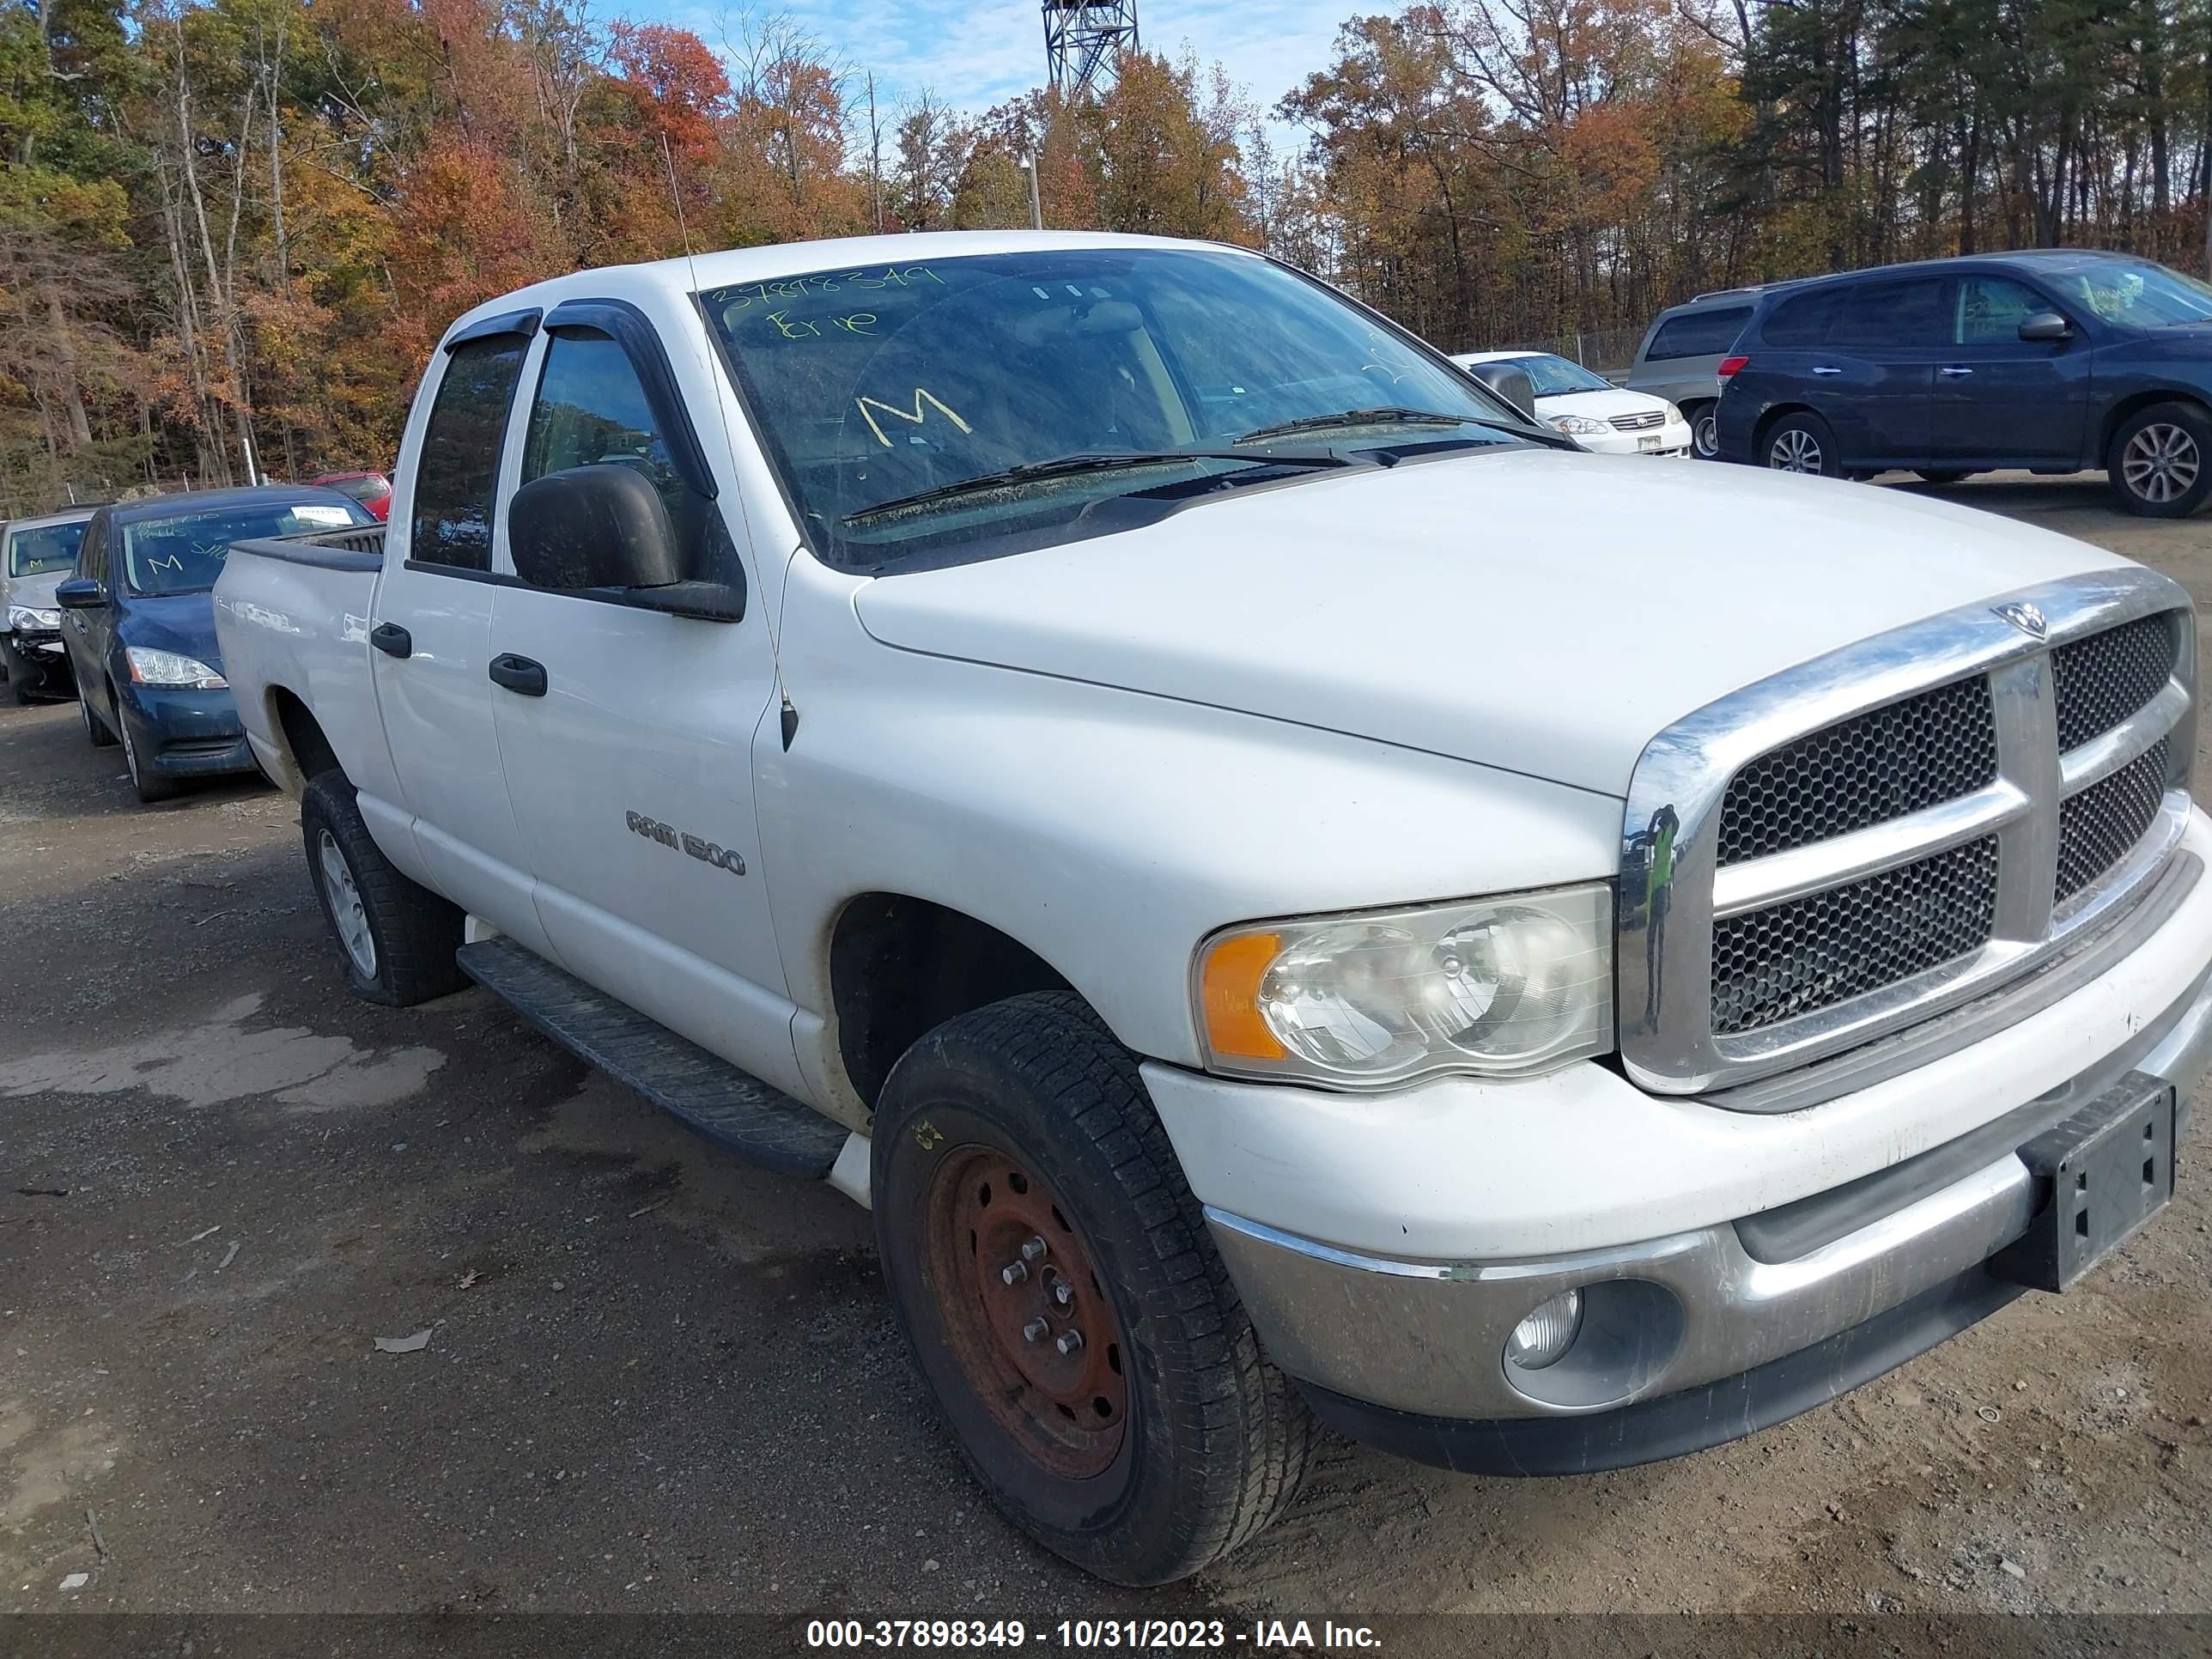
593	526
80	594
1509	383
2045	325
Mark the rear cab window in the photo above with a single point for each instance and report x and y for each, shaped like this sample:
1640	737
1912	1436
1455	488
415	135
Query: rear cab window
458	469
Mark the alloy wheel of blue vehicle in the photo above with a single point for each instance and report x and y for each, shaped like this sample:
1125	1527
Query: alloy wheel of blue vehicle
347	912
2161	462
1796	450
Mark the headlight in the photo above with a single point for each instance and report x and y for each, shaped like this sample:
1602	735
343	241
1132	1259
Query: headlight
24	616
1579	425
1674	417
1504	987
167	668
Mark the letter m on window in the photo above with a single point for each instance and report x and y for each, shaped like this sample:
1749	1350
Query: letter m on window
870	408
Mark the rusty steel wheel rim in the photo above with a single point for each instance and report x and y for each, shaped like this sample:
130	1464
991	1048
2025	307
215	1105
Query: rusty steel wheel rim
1027	1315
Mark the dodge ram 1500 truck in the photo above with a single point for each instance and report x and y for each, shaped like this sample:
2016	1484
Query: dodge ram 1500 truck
1291	892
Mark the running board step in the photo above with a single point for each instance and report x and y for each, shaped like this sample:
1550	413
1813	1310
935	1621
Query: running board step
729	1107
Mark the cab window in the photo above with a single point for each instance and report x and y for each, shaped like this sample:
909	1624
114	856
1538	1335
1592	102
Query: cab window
458	470
592	411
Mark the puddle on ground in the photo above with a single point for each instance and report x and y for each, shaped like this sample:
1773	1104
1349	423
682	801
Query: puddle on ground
216	1059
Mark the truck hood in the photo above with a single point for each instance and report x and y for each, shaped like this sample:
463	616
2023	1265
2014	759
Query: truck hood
1527	608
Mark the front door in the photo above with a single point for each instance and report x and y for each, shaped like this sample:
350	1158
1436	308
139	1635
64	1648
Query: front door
87	634
2003	401
627	735
431	646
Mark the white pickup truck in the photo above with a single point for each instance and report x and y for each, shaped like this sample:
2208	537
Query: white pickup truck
1291	890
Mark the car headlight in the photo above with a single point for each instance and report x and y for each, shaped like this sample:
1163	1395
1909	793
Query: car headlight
26	615
1578	425
1505	986
168	668
1674	417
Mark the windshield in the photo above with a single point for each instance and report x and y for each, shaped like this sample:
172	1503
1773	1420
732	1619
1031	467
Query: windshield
2136	293
368	487
1554	377
35	551
888	382
185	553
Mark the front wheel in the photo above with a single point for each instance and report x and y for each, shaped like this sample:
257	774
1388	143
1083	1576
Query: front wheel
23	675
2159	463
1802	443
151	786
95	729
397	939
1056	1280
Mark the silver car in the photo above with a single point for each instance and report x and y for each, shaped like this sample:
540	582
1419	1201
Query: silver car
1680	356
36	556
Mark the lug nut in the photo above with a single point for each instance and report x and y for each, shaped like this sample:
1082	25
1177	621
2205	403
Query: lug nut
1014	1271
1035	1330
1062	1295
1034	1250
1070	1342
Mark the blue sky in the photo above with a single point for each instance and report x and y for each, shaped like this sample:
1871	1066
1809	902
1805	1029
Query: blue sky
973	53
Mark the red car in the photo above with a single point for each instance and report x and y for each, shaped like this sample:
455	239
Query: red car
372	490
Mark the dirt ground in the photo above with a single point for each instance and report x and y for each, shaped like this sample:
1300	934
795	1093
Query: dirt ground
657	1380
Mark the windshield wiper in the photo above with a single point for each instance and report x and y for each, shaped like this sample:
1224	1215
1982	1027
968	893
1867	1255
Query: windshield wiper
1384	416
1066	467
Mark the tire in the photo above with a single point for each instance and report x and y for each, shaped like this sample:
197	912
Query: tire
1188	1441
95	729
2159	465
1705	430
1946	476
1801	442
151	786
23	675
396	939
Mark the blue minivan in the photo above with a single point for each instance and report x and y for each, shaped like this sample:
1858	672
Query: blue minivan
138	621
2054	361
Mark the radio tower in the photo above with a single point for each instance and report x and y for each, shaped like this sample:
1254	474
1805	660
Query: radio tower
1083	41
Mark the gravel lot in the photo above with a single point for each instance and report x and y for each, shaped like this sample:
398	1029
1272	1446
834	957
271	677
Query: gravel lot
657	1380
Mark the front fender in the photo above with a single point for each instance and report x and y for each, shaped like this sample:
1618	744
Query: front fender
1110	831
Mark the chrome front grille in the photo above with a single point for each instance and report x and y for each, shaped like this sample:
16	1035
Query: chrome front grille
1926	750
2097	827
1811	953
1887	831
1638	422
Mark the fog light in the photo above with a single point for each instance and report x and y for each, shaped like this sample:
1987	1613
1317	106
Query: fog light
1547	1332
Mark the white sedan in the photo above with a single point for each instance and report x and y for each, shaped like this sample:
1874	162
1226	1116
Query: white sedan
1595	414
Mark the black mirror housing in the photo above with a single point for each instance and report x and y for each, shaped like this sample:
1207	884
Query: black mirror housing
80	594
593	526
1509	382
2045	325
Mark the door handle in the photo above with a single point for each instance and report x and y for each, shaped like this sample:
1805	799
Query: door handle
1823	368
392	639
519	674
1955	372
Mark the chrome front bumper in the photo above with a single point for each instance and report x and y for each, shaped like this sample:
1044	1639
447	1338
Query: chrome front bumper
1673	1314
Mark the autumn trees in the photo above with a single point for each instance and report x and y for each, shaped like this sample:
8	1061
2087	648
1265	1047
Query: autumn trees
231	230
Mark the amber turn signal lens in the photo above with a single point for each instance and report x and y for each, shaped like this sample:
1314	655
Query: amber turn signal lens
1229	991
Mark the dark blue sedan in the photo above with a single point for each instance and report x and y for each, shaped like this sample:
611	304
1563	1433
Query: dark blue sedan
138	621
2058	361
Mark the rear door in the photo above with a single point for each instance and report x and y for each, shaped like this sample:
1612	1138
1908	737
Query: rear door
431	637
1873	379
628	737
2001	400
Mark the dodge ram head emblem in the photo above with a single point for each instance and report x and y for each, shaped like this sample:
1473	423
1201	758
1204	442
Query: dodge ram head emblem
2023	615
